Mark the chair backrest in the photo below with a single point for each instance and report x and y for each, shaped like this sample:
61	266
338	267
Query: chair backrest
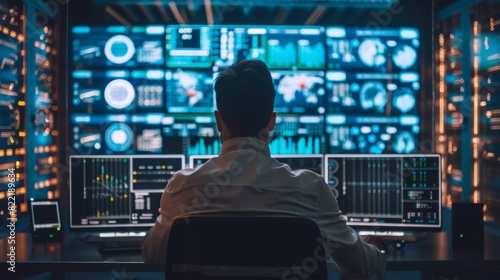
245	248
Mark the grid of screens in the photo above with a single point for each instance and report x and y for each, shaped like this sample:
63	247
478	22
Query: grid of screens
118	192
149	90
389	191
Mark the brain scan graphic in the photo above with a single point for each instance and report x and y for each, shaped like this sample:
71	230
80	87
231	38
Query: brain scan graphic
372	52
373	95
403	99
119	137
119	93
404	143
404	56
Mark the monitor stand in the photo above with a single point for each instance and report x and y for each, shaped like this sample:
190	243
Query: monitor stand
398	238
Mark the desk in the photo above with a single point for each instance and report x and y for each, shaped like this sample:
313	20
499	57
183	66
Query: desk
431	256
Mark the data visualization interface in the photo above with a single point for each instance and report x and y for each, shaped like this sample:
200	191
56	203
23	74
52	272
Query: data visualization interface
372	90
118	46
149	89
118	191
387	191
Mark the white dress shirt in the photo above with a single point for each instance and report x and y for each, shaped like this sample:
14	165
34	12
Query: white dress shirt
244	180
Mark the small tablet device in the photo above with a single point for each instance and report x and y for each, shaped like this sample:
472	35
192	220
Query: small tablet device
45	221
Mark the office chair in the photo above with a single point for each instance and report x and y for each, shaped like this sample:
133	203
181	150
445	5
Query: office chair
257	248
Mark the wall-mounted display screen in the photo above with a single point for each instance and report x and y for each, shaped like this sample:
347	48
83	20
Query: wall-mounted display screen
331	97
118	46
97	91
384	50
190	91
189	46
299	91
232	43
295	47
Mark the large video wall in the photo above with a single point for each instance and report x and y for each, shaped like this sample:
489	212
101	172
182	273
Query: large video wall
149	89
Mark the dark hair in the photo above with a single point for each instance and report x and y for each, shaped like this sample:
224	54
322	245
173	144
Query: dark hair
245	97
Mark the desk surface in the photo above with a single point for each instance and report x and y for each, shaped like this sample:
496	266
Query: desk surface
434	253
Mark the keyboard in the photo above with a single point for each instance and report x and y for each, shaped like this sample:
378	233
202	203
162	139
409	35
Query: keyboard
120	246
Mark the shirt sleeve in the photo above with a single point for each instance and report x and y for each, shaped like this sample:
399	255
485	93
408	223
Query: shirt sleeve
354	257
154	247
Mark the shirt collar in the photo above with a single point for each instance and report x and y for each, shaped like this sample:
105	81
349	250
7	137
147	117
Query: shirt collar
249	143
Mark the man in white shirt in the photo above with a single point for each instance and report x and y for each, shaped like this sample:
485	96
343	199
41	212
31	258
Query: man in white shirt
245	181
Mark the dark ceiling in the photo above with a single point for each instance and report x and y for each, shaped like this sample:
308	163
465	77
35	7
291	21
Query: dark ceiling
286	12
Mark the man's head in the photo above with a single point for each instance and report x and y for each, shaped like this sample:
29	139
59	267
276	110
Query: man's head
245	100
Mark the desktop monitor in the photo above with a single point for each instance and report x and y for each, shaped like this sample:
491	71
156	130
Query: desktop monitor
387	192
196	160
118	193
45	220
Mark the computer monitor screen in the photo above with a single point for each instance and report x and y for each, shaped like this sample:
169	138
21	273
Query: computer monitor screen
313	163
299	91
190	91
232	43
116	91
45	214
373	90
298	134
196	160
118	46
387	191
189	46
291	47
118	192
383	50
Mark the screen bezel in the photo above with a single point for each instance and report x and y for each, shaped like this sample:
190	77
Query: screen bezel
393	227
117	227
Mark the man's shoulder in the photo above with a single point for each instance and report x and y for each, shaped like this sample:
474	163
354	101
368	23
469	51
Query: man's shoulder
307	176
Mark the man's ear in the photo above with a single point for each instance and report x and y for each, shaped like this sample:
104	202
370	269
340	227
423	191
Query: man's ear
272	122
219	122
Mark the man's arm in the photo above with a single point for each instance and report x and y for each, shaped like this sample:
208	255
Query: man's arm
353	257
154	247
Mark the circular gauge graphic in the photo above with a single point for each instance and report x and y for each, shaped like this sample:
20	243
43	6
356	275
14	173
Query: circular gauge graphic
404	143
119	137
373	95
403	99
335	182
119	49
333	166
372	52
119	93
404	56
